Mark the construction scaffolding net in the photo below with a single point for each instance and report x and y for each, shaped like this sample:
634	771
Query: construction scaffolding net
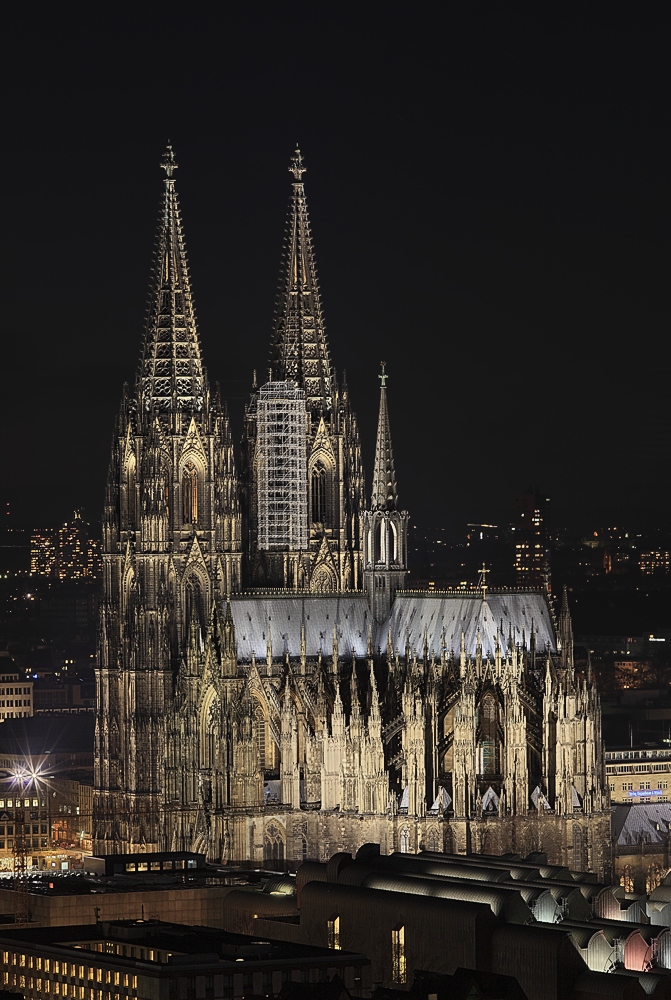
281	467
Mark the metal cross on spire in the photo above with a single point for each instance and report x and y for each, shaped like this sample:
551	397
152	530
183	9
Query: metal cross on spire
383	375
168	162
297	168
482	580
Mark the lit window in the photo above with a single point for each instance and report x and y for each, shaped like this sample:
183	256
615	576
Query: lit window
398	954
333	928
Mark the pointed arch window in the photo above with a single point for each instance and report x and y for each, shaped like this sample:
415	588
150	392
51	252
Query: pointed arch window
166	490
208	736
130	495
433	841
190	494
577	848
653	878
318	494
489	742
193	602
260	735
273	844
627	879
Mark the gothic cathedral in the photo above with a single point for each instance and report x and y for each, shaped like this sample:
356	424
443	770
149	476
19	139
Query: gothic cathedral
267	688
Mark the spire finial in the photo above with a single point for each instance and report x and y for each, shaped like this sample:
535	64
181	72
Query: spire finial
383	375
168	161
482	580
297	168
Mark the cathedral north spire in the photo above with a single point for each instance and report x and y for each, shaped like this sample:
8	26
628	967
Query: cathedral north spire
384	494
171	373
299	351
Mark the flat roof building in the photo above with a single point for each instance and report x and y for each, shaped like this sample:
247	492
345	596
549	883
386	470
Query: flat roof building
125	960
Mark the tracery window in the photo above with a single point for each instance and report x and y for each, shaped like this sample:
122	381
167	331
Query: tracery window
577	848
318	494
653	877
433	840
130	495
273	844
190	494
260	735
627	879
488	735
404	840
209	731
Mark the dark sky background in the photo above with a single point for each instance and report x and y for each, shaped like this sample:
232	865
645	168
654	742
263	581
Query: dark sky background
489	194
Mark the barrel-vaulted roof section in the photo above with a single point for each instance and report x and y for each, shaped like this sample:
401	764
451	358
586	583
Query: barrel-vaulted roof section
255	617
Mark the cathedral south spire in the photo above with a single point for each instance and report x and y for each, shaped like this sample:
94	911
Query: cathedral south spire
171	371
299	351
302	476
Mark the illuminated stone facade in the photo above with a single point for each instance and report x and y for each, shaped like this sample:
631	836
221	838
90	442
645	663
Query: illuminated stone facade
333	707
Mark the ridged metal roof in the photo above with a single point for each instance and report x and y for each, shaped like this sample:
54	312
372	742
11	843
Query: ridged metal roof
411	616
644	822
456	614
283	616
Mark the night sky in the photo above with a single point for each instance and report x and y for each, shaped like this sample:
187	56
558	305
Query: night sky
489	197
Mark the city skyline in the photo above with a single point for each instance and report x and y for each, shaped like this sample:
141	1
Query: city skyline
488	219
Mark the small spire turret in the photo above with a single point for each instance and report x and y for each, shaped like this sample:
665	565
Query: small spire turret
385	527
384	493
565	633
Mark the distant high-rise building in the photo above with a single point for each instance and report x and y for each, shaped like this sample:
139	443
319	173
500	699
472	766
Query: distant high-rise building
68	553
532	556
44	551
654	561
78	552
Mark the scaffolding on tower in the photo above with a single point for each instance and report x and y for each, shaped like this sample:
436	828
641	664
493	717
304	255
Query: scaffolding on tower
281	468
